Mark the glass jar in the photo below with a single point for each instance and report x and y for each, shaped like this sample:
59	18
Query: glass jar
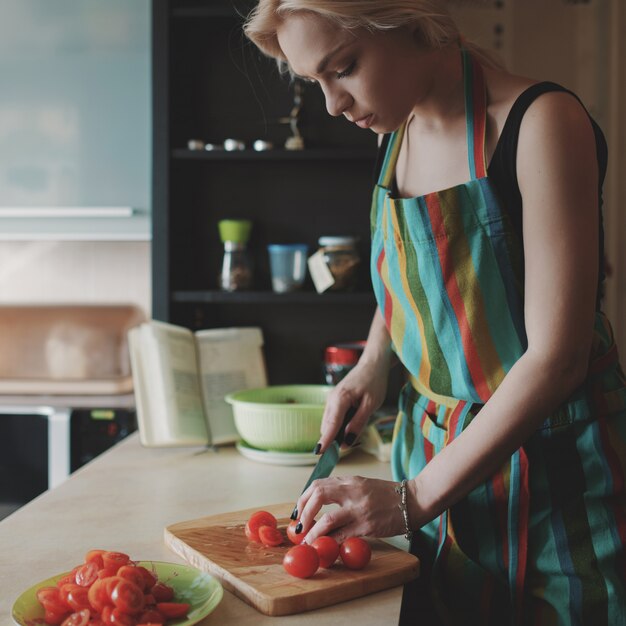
236	271
339	359
343	259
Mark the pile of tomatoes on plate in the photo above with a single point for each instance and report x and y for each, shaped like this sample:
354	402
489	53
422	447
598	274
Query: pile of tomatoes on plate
109	589
303	560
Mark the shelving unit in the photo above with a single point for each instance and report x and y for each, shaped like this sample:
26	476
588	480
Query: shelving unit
211	84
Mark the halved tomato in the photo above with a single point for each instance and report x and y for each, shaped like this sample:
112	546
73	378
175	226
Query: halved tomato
258	519
162	592
80	618
86	574
270	536
173	609
132	573
127	597
115	559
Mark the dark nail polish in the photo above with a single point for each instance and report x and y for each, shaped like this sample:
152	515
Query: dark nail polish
298	528
294	513
317	449
349	439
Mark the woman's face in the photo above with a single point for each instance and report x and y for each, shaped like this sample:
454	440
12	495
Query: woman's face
374	79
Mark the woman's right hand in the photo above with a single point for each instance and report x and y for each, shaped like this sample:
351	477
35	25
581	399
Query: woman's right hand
363	388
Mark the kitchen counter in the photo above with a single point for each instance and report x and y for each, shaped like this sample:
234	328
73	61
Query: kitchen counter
123	500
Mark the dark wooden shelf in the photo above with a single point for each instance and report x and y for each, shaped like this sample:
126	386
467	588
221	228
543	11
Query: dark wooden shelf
293	297
313	154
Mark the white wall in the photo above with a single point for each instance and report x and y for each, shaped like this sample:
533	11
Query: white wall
47	272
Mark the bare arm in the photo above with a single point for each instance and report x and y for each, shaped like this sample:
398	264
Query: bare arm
363	388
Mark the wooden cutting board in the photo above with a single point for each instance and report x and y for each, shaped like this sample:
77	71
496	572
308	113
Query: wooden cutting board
218	545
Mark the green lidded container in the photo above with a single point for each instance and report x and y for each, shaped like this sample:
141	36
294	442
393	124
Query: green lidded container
235	230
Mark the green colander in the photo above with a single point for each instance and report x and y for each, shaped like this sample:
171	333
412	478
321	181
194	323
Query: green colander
283	418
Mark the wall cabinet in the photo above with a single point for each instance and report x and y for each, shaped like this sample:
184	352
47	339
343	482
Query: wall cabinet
211	84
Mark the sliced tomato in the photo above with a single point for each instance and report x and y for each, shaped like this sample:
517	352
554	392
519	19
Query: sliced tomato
80	618
256	520
162	593
97	595
86	574
173	609
301	561
107	572
148	599
115	559
152	616
355	553
51	600
127	597
327	549
270	536
54	618
78	599
149	578
113	616
68	578
95	556
132	573
64	591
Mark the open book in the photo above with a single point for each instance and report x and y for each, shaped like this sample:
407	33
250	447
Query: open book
181	378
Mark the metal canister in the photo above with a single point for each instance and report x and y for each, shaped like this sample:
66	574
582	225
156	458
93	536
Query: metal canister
339	359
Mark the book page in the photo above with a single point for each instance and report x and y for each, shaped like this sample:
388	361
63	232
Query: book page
231	359
174	414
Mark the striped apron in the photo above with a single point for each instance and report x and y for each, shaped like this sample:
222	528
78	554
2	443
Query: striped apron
540	542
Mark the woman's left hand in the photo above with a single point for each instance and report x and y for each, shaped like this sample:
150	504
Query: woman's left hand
368	507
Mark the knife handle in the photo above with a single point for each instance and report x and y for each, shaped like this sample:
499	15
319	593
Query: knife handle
342	429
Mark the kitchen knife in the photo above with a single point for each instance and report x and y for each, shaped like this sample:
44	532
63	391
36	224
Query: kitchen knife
329	458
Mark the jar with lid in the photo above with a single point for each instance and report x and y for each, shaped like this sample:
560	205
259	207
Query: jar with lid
236	272
339	359
342	258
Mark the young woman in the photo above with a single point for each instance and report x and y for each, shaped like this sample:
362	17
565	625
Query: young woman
487	268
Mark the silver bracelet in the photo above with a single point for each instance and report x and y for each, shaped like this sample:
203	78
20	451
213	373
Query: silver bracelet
401	491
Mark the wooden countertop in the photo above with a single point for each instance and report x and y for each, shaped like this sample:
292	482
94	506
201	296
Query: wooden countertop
123	500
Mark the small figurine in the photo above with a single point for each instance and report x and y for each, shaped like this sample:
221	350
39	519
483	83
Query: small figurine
295	142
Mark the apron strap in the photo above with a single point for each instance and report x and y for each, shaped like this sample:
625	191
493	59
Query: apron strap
475	114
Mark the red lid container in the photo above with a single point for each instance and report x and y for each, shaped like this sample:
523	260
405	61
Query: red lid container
344	353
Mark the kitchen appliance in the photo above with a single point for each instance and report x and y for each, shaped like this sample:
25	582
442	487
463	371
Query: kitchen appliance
218	545
40	446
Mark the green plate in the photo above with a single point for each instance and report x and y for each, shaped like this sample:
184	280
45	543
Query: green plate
202	591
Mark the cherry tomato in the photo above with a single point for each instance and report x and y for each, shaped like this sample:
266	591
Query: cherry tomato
173	609
258	519
51	599
127	597
115	559
86	574
291	532
355	553
80	618
113	616
301	561
270	536
132	573
64	590
152	616
78	599
162	593
54	618
98	596
149	578
327	549
107	572
95	556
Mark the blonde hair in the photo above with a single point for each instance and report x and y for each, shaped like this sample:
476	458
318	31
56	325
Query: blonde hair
431	18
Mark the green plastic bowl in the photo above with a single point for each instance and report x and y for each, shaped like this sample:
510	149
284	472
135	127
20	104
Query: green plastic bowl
283	418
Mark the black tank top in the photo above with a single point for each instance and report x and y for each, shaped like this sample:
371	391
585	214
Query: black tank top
502	169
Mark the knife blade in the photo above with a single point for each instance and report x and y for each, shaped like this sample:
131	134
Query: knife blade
330	457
